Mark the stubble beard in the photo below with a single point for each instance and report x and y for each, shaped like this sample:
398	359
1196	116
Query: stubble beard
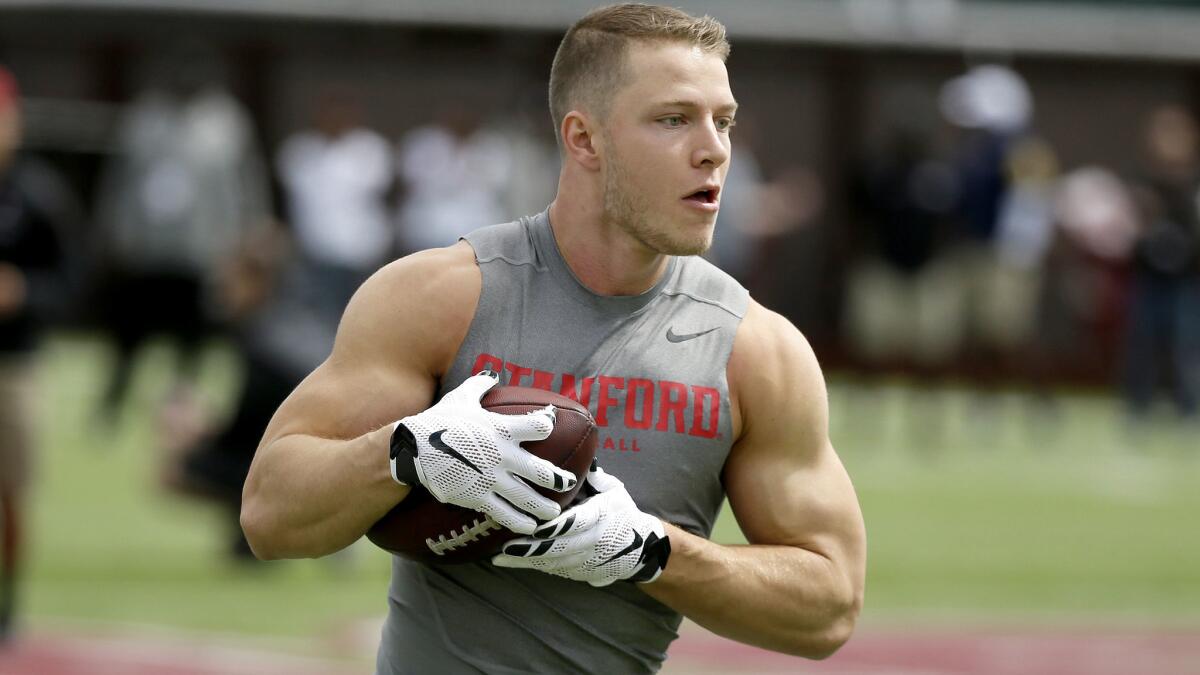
625	208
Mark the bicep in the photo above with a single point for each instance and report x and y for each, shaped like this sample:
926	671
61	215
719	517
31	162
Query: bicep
785	482
345	400
793	498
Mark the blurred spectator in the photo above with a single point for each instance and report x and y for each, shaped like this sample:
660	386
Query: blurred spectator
1011	276
337	176
284	296
1006	178
1025	224
186	184
283	333
903	300
453	174
33	284
1164	319
1083	300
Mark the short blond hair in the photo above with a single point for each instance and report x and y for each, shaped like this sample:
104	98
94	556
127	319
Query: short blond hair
589	65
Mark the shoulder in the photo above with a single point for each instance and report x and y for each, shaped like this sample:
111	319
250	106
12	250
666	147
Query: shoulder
775	381
417	308
510	243
704	282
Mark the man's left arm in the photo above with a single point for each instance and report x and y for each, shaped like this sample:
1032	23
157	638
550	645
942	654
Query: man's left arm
798	587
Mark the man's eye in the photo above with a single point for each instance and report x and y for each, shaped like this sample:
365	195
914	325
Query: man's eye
673	121
725	123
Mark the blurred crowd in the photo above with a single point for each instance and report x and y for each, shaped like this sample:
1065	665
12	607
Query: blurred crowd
966	250
979	254
191	247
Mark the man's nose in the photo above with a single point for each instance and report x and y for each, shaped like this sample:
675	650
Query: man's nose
712	147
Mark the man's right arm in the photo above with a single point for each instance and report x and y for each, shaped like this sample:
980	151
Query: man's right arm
320	477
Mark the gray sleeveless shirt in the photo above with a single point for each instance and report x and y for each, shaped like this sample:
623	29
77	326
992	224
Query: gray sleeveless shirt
651	368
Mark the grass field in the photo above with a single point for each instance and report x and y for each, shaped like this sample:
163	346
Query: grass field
981	508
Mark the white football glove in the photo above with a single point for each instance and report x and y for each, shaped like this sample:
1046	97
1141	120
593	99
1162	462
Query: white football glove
471	457
603	539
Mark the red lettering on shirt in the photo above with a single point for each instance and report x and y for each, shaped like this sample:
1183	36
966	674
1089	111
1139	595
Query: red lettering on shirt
606	401
632	419
542	379
516	373
488	362
645	403
583	395
700	395
672	400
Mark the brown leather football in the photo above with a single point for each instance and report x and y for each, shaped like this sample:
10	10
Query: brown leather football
424	529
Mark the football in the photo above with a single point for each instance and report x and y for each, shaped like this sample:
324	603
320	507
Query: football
424	529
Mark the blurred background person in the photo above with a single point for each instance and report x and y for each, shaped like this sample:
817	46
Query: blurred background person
185	186
1163	337
1085	294
998	254
1024	233
33	287
337	176
452	178
279	311
903	302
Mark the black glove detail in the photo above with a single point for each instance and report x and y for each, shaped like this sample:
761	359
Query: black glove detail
654	557
404	453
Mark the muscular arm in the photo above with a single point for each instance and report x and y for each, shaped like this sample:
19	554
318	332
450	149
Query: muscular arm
320	477
798	586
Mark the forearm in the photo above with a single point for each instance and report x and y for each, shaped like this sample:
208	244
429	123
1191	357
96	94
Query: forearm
783	598
307	497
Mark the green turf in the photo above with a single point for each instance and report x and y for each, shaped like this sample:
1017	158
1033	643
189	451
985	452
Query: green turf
977	506
1014	507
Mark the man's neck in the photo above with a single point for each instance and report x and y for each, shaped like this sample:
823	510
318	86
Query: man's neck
605	258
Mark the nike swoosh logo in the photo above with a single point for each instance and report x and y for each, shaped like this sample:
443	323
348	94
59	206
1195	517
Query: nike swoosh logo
637	542
435	439
672	336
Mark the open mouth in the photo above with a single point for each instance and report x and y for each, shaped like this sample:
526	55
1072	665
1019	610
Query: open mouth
703	196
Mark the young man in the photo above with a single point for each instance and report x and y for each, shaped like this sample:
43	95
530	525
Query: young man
699	392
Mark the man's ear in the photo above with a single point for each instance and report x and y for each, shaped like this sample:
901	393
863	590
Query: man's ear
581	140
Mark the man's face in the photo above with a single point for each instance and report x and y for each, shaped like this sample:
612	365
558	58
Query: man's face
666	147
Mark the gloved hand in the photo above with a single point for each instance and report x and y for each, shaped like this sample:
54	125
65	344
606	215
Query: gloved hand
471	457
603	539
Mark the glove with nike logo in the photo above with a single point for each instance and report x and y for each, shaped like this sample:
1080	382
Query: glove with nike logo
471	457
603	539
